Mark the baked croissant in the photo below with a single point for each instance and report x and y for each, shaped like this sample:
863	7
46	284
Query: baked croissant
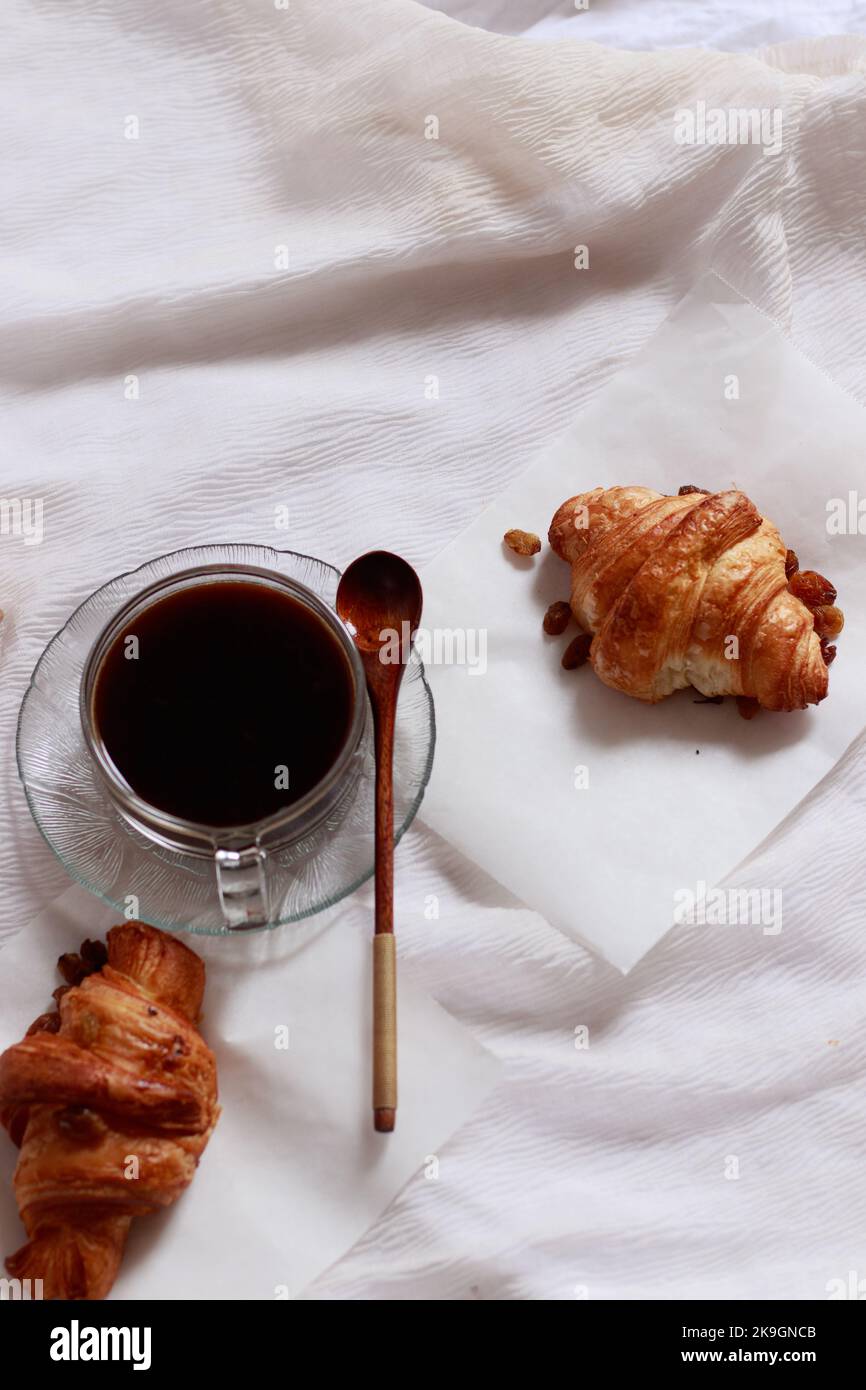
665	583
112	1101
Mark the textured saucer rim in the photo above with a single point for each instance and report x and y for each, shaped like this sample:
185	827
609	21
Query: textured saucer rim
315	908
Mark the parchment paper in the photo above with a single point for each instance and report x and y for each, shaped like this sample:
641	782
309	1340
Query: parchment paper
294	1173
680	792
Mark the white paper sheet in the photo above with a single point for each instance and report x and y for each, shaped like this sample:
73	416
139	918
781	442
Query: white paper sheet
294	1173
680	792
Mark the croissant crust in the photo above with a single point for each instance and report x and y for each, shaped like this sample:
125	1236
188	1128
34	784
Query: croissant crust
691	590
112	1108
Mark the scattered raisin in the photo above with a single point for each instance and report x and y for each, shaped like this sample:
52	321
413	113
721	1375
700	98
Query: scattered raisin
577	652
75	966
522	542
792	564
45	1023
829	620
812	588
94	953
690	487
748	706
557	618
828	652
72	968
58	993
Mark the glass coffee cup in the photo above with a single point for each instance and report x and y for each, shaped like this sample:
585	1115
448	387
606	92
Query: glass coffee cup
176	681
141	866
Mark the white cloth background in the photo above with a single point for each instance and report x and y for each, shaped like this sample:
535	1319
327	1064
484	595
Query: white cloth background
729	25
597	1171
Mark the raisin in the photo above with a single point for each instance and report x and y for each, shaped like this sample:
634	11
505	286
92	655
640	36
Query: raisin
812	588
829	620
828	652
577	652
522	542
75	966
557	618
690	487
45	1023
748	706
94	953
792	564
72	968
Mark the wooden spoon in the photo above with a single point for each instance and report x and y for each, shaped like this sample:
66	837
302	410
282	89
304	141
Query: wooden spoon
379	599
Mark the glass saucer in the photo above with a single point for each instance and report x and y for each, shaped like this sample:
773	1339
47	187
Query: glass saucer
99	849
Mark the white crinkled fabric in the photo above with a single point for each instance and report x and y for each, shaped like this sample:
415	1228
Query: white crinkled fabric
283	259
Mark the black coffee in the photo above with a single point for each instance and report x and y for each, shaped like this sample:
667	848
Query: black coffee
233	701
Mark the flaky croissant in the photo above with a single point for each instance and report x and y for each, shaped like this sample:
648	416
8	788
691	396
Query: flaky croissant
698	590
112	1102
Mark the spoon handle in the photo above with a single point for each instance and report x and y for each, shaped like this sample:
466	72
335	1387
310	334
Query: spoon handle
384	1032
384	952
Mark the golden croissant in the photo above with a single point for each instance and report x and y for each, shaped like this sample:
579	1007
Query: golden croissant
695	590
112	1101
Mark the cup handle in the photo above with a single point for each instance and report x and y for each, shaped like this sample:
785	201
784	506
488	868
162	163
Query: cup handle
243	888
